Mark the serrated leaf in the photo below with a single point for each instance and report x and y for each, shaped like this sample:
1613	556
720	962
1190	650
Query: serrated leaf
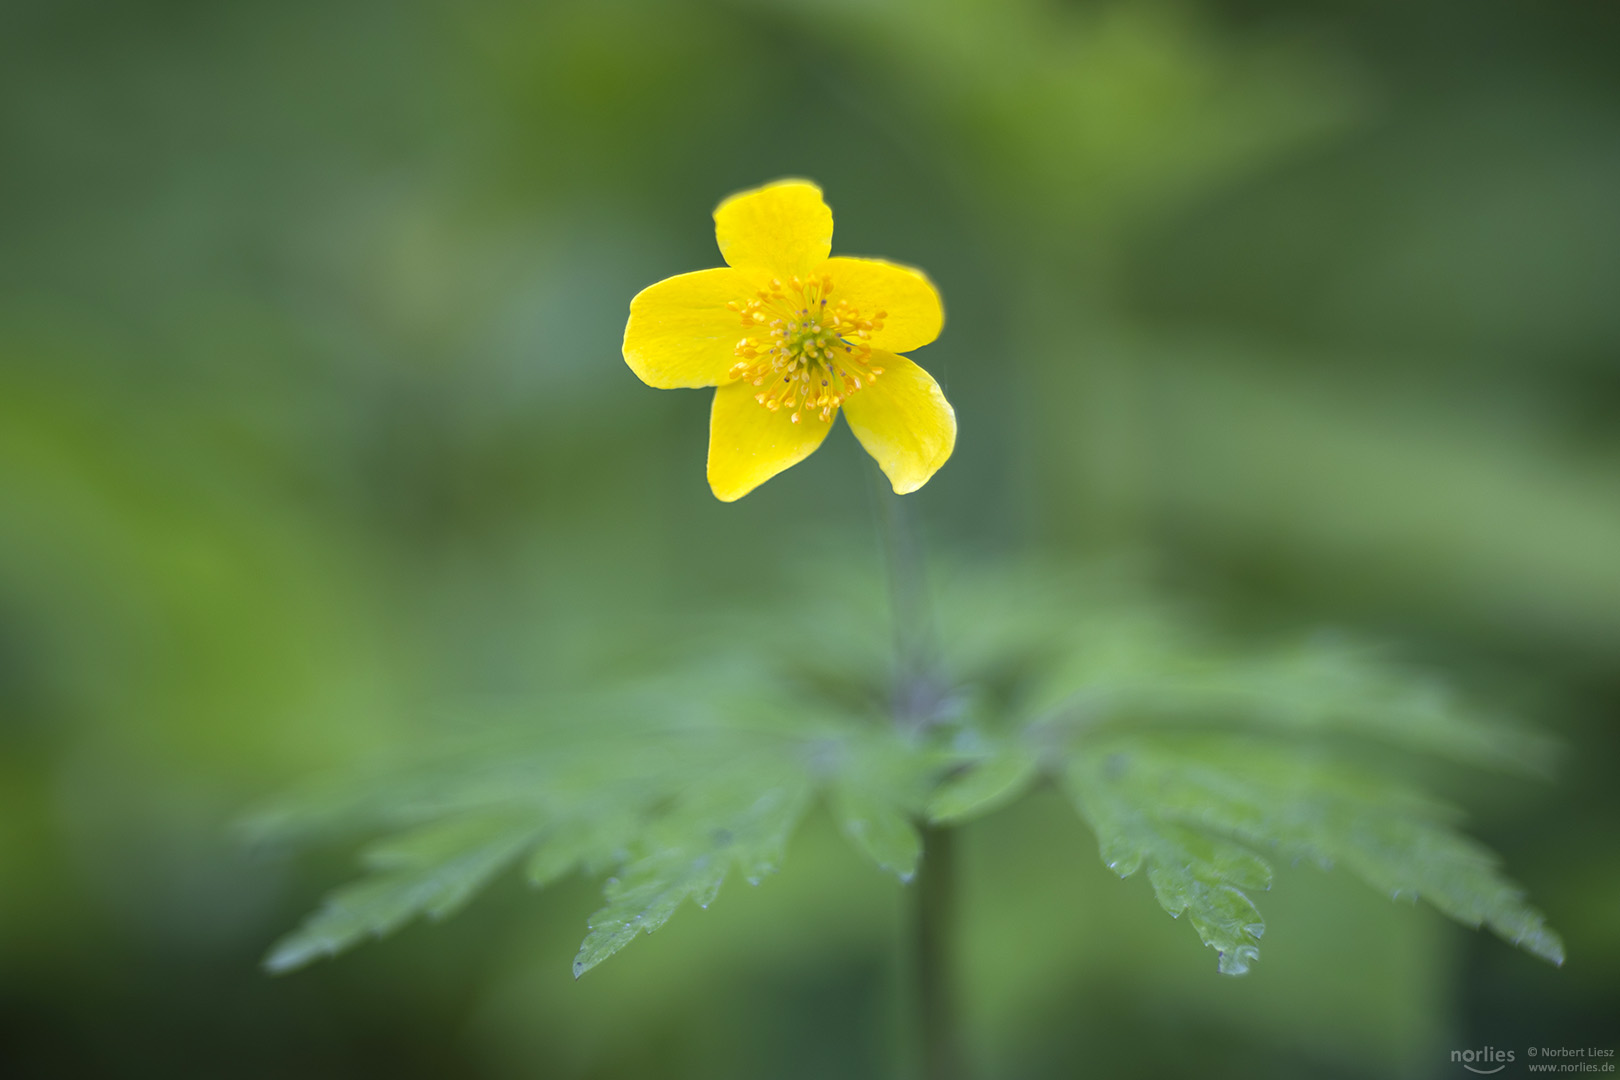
1423	861
1394	839
880	828
645	898
1204	878
696	850
1113	654
592	841
982	785
661	779
1327	684
434	872
1154	798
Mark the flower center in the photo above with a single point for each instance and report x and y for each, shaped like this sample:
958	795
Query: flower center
807	352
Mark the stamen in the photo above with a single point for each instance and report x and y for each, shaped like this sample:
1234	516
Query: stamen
798	347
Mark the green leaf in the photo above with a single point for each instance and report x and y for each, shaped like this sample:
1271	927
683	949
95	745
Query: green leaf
696	849
983	784
1326	685
1195	762
880	828
433	871
1185	806
1098	650
1208	879
643	780
591	842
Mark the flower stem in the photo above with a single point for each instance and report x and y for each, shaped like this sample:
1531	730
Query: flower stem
918	690
934	958
918	698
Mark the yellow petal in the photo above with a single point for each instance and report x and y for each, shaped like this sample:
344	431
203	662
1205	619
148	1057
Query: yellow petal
749	444
780	229
680	331
915	314
904	421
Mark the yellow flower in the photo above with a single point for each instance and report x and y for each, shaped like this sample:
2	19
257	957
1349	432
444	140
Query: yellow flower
790	336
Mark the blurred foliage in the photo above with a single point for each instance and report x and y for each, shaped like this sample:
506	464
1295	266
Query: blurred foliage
313	435
708	771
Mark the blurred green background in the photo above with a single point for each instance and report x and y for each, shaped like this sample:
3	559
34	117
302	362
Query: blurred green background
313	429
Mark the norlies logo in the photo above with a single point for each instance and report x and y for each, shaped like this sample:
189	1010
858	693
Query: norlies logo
1485	1061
